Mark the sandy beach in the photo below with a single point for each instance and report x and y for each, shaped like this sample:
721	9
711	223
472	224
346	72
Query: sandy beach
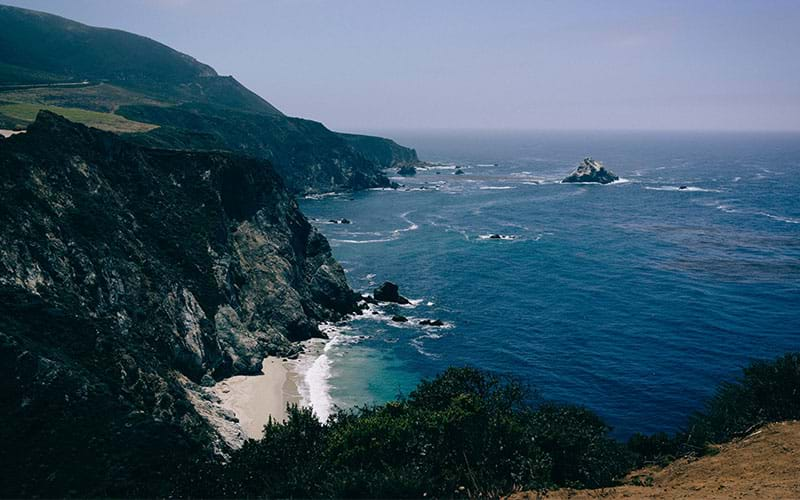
253	399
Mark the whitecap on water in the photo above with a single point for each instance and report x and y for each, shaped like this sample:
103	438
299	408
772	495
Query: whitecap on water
780	218
688	189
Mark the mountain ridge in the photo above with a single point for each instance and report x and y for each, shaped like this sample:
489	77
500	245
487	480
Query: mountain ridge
124	74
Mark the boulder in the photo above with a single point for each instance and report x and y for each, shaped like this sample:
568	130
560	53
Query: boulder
399	319
389	292
407	170
431	322
591	171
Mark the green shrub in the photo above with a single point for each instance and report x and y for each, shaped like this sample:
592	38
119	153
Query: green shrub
464	433
769	391
656	449
577	441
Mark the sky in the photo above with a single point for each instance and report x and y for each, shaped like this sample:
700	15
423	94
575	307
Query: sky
365	65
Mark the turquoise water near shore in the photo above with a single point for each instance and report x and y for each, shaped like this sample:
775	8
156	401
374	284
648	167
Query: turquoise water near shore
635	298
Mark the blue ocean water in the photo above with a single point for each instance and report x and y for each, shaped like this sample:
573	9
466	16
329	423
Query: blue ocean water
635	298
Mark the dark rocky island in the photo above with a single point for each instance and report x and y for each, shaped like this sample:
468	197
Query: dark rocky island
389	292
407	170
591	171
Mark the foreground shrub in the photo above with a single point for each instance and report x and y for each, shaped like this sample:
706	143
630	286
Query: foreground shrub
470	433
577	442
656	449
464	433
769	391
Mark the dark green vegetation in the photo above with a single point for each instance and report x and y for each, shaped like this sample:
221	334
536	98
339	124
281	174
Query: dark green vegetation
768	391
384	152
128	277
467	433
50	61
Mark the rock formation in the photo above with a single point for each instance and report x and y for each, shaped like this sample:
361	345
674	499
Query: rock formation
407	170
389	292
129	276
591	171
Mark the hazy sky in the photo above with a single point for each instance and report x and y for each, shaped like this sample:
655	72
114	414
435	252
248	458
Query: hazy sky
381	64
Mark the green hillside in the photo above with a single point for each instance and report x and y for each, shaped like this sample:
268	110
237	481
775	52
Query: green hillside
122	82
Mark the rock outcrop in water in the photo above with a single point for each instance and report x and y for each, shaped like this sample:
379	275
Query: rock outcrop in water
389	292
407	170
591	171
129	276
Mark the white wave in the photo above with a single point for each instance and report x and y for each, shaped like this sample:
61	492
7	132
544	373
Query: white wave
688	189
780	218
412	226
621	180
443	167
412	303
420	348
507	237
737	179
726	208
317	382
486	165
320	196
496	188
394	235
315	368
358	242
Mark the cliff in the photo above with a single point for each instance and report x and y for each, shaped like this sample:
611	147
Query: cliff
382	151
128	276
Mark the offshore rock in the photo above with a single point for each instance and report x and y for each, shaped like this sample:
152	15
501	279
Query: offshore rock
407	170
591	171
389	292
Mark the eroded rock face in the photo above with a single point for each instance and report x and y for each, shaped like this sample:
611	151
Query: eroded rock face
591	171
126	271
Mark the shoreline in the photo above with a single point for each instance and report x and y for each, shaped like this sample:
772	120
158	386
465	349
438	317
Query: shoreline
256	398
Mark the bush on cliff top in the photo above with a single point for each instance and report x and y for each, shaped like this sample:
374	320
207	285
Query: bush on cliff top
463	433
469	433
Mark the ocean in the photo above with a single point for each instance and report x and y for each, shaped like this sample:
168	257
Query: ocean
635	299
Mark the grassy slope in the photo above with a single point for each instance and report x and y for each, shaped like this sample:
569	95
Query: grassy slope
765	464
17	115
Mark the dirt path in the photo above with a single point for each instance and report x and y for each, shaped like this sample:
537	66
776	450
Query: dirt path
765	464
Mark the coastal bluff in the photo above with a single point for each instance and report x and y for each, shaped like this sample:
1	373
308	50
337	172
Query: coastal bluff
131	277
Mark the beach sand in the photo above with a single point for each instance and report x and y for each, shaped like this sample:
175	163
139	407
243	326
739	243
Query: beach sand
253	399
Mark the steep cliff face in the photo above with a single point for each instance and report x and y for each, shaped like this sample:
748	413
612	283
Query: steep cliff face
308	156
382	151
126	276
